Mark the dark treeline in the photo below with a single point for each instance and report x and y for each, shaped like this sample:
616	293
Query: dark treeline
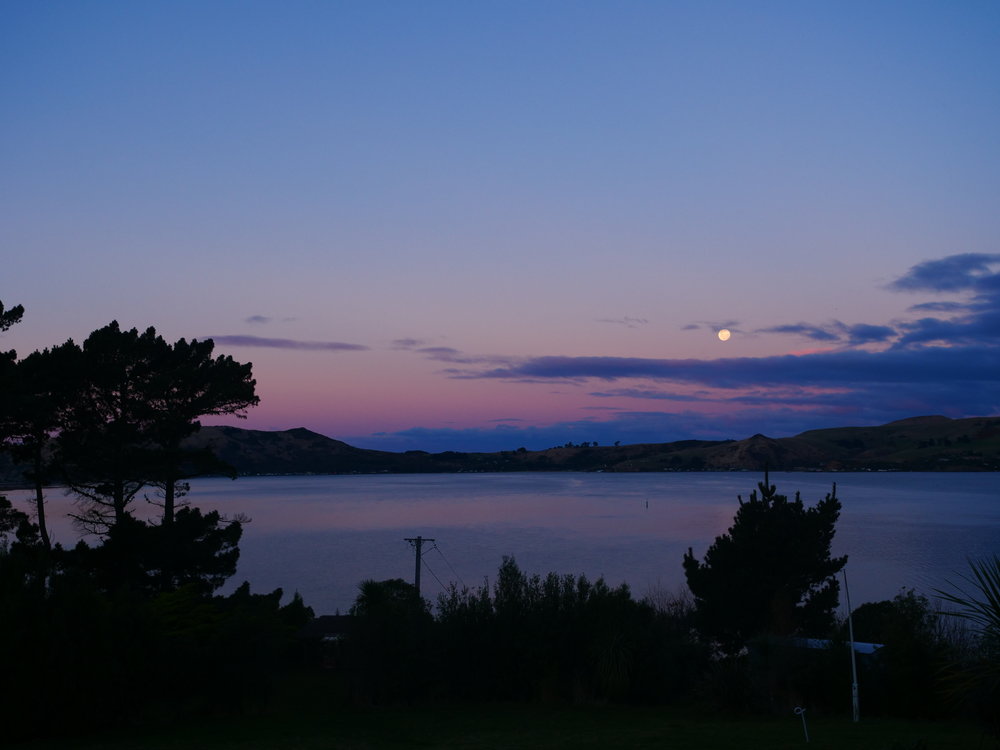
126	628
525	638
93	638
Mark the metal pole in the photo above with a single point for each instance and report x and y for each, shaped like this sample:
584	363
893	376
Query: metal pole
855	706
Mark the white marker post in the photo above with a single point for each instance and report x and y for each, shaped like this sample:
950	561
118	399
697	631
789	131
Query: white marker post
855	705
799	711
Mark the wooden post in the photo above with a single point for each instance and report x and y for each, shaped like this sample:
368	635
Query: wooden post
417	543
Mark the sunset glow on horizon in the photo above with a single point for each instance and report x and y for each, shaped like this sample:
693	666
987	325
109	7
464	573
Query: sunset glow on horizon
452	226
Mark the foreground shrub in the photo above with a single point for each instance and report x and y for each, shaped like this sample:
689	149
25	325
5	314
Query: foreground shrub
561	637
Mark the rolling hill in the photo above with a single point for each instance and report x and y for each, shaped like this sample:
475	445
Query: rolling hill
932	443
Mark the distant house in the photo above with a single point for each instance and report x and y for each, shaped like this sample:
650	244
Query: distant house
328	628
326	632
859	647
772	644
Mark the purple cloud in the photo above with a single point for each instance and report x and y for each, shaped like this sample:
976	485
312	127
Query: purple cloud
407	343
265	343
975	321
816	333
454	356
442	353
824	368
965	271
626	321
864	333
712	325
939	307
648	393
836	331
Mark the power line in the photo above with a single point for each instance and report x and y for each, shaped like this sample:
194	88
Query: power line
452	567
417	543
429	570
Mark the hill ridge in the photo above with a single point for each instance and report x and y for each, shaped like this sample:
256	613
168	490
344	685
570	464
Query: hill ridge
922	443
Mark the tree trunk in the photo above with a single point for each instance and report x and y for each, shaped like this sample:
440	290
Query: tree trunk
118	499
40	498
169	489
40	506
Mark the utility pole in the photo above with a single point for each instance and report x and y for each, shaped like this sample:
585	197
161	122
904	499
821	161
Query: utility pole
417	544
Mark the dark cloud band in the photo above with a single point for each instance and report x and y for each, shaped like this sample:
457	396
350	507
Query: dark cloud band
932	364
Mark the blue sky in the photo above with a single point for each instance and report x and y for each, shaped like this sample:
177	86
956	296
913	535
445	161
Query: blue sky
485	225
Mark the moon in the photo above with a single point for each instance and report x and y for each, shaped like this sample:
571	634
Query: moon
724	334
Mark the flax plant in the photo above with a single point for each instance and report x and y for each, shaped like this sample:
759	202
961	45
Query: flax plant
978	602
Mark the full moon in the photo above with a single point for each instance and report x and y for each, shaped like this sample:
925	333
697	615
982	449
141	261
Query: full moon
724	334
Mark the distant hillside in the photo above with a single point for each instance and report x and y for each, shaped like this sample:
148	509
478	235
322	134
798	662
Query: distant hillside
919	444
932	443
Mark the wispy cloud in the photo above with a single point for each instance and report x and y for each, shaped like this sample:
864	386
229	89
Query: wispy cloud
647	393
939	307
713	325
974	321
815	333
269	343
626	321
407	343
838	332
454	356
866	333
444	354
258	320
955	273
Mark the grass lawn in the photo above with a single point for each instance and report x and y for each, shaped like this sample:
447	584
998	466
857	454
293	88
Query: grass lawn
513	726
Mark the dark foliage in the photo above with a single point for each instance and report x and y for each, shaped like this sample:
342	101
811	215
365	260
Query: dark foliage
388	655
555	638
10	317
137	398
36	394
197	551
561	638
92	640
127	631
905	676
770	574
972	679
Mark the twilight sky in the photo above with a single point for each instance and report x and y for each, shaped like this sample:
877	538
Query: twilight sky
482	225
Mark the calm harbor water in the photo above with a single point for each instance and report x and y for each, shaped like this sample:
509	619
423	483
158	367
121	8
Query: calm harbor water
322	535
